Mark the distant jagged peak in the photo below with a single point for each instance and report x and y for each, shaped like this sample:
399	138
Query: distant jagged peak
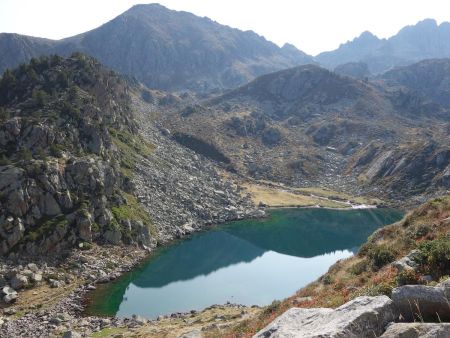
368	35
428	25
428	22
295	54
289	46
364	38
423	40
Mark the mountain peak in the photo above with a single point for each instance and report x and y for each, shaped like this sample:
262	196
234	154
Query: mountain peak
176	50
151	6
367	35
289	46
424	40
427	23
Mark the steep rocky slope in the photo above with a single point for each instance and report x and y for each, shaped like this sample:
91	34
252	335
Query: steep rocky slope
75	164
307	126
425	40
167	49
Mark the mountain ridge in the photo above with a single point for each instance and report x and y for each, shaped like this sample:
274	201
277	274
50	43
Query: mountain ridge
424	40
175	50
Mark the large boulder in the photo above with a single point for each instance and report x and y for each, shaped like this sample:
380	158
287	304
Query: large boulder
416	330
9	294
407	262
19	282
420	302
49	206
10	297
12	230
84	223
361	317
10	178
113	236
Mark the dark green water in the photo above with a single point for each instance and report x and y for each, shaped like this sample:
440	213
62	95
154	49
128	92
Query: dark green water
247	262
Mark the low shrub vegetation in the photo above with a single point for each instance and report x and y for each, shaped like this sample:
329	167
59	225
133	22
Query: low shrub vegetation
435	256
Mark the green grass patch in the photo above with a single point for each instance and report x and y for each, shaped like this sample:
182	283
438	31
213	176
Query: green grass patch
130	148
109	332
46	226
133	211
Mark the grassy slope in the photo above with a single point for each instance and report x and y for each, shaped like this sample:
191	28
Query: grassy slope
274	195
426	228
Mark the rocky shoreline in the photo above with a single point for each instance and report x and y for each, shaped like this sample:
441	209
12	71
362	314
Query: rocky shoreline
70	281
62	311
54	306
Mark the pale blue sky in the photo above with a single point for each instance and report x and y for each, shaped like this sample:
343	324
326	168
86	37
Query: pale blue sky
313	26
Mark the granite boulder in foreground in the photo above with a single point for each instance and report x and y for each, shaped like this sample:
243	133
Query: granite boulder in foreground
420	302
361	317
416	330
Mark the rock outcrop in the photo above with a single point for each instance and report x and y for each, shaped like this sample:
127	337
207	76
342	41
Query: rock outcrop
420	302
60	179
361	317
75	166
417	330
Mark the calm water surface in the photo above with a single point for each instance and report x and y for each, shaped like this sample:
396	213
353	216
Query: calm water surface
247	262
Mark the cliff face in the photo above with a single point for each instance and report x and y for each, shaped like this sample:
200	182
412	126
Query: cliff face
72	154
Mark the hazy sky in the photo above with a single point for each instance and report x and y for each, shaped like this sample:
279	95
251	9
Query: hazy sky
313	26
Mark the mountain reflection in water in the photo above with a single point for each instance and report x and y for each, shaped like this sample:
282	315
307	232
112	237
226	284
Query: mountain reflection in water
247	262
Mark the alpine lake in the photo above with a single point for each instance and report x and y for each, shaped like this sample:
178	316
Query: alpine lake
250	262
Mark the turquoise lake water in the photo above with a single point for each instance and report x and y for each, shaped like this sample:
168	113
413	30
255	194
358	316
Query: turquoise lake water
247	262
